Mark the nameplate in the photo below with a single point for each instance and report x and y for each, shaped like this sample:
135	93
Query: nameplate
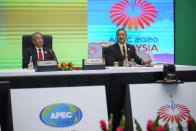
46	66
46	63
94	61
93	64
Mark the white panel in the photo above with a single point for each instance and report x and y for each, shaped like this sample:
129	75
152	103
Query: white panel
147	99
28	103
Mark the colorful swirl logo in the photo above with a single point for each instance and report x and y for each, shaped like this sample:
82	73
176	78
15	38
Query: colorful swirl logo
139	13
173	113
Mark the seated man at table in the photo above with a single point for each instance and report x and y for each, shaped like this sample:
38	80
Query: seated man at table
121	51
38	52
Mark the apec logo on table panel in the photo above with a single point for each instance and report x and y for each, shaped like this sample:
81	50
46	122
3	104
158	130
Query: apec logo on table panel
61	115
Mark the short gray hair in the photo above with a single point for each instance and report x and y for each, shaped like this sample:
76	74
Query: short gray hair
33	35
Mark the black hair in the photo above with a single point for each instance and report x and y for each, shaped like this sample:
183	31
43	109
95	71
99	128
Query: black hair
119	30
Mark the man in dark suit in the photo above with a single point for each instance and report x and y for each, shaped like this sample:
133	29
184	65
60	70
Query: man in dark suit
121	51
38	52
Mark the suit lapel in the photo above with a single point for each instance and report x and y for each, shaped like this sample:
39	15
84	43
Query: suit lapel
119	52
45	51
128	50
35	53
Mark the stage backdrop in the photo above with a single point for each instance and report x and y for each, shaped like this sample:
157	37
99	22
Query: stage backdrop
65	20
149	25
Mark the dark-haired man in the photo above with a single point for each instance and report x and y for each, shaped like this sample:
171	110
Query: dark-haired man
38	52
121	51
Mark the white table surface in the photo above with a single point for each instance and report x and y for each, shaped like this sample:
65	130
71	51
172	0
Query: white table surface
108	70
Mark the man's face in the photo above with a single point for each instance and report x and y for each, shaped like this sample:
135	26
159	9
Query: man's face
121	36
38	40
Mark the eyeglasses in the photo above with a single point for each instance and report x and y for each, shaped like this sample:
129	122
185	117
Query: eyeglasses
121	35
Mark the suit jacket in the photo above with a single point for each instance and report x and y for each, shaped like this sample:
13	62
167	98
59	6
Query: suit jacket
114	54
31	51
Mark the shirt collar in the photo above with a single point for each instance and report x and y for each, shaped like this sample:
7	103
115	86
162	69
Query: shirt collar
122	45
38	48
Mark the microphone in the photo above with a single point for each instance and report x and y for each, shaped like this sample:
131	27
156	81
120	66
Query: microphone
53	55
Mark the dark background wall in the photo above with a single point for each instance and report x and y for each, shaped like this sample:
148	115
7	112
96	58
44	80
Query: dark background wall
185	32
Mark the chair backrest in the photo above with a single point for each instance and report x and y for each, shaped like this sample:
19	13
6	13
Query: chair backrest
104	51
27	42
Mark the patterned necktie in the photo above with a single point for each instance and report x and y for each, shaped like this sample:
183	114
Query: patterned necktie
124	53
40	55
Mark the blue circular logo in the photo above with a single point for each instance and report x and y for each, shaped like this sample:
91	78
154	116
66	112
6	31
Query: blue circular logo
61	115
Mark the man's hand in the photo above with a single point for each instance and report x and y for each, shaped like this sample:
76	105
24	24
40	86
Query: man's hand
146	62
131	63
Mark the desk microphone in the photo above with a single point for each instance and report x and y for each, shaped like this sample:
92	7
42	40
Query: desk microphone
53	55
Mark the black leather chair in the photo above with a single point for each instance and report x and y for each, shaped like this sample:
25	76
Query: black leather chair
4	100
27	42
105	51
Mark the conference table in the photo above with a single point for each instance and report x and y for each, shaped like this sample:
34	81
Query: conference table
115	79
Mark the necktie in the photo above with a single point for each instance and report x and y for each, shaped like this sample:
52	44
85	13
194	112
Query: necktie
124	53
40	55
